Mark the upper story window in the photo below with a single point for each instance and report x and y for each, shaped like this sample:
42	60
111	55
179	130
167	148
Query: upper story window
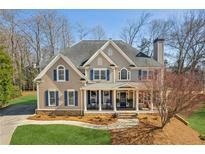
146	74
124	74
109	52
100	74
61	73
99	61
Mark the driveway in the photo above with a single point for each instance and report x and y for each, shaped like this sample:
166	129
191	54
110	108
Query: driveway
11	117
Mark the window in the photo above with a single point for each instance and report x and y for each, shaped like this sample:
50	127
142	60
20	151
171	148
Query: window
151	74
100	74
144	74
99	61
124	74
52	98
61	73
71	97
109	52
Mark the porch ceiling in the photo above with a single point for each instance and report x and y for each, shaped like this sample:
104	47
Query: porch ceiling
116	85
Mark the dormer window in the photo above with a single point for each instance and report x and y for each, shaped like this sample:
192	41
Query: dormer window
61	73
124	74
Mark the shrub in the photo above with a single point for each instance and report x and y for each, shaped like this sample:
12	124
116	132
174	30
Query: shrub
15	92
6	74
202	137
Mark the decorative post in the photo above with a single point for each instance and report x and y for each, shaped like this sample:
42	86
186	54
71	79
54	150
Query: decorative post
137	100
85	100
114	97
100	104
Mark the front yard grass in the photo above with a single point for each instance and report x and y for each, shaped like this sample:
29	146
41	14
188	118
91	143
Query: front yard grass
27	99
59	135
197	120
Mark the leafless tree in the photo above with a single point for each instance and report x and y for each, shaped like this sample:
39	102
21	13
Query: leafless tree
187	38
82	30
177	93
98	32
133	28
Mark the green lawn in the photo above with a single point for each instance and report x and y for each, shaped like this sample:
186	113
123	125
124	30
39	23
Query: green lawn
59	134
197	121
29	99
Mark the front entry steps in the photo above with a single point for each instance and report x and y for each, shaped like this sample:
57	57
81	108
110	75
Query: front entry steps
126	115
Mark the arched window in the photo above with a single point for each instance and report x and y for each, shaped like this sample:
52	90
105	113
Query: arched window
124	74
61	73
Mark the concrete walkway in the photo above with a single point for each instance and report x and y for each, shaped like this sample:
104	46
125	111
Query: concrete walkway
121	123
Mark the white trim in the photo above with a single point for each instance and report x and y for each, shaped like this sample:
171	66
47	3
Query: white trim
85	99
71	90
96	54
116	47
52	90
128	75
57	75
100	69
38	97
66	59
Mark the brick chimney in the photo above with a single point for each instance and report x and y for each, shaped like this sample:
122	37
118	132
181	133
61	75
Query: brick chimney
159	50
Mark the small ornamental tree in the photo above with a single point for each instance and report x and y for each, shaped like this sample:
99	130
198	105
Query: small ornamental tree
176	93
6	72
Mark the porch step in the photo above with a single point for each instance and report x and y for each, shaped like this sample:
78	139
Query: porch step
126	115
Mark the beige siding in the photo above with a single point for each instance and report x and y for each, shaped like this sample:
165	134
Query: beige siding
49	84
105	64
118	59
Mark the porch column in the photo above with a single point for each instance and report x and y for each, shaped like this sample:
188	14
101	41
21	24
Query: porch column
100	104
152	107
137	100
133	98
114	100
85	100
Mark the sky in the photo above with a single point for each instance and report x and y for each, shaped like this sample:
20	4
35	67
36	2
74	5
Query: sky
113	20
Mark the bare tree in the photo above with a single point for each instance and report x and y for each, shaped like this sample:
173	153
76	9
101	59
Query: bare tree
98	32
133	28
177	93
82	31
187	38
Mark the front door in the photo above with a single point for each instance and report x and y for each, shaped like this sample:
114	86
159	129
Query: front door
123	98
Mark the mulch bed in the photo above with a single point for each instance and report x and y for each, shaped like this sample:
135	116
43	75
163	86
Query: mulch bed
98	120
146	133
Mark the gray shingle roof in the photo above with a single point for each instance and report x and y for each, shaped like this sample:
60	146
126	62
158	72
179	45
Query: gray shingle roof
82	51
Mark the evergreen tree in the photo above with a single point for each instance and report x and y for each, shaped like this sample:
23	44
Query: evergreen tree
6	72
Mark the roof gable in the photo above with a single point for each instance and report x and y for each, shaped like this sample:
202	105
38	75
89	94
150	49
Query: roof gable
55	59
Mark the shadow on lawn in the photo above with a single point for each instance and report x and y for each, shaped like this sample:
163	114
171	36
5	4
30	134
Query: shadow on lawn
138	135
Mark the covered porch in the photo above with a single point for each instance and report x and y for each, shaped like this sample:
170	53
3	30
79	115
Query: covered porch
116	97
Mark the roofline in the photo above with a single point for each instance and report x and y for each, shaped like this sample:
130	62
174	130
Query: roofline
97	53
66	59
103	47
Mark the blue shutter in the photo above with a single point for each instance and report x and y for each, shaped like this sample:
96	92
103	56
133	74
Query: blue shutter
54	75
91	74
57	98
76	98
66	97
140	74
67	75
46	97
102	96
88	93
108	74
111	96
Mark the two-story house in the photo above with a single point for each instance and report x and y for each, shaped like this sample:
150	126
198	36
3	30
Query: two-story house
99	76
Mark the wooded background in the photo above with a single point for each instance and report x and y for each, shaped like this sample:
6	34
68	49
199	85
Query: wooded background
33	41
